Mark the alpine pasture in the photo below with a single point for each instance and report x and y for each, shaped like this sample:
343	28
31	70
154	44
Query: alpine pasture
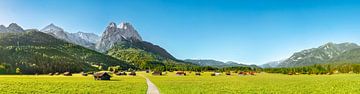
170	83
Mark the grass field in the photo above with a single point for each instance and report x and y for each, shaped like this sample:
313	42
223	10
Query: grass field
261	83
190	84
75	84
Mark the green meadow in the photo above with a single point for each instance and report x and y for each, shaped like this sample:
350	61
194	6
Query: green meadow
261	83
43	84
190	84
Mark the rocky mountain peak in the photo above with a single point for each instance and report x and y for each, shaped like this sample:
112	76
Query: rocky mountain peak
3	28
129	32
52	28
125	25
13	27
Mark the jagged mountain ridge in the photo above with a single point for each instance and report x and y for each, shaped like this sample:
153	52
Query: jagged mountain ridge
87	40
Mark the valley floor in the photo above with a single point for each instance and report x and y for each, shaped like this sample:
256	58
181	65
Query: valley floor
190	84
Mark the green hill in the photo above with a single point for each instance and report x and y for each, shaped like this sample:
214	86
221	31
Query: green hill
37	52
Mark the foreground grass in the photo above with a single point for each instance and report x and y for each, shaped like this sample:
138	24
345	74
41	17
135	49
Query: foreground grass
261	83
74	84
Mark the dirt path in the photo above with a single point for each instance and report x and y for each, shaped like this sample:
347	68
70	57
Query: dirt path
152	89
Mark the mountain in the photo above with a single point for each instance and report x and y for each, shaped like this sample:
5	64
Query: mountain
36	52
123	42
322	54
125	34
13	27
87	40
272	64
214	63
114	34
3	28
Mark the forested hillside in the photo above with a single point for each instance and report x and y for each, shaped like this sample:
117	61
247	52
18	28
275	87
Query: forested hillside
36	52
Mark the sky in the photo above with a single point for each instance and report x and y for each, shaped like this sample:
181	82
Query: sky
245	31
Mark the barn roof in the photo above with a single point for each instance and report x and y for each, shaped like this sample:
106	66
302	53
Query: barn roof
101	74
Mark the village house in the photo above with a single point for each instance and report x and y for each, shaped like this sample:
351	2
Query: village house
180	73
67	74
157	73
102	76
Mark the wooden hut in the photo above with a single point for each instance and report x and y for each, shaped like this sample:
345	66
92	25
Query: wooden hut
228	73
102	76
197	73
67	74
212	74
157	73
133	73
147	71
84	74
57	73
180	73
121	73
51	74
215	74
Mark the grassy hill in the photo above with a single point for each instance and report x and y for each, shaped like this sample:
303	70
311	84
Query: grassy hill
36	52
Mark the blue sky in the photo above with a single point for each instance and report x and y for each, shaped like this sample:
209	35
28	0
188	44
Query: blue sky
247	31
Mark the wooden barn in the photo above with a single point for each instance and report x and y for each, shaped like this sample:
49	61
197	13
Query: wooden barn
67	74
147	71
102	76
84	74
228	73
180	73
157	73
133	73
197	73
121	73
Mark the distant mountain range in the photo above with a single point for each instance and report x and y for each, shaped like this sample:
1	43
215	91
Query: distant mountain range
215	63
326	54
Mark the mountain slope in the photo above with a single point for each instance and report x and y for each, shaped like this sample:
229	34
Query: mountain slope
318	55
350	56
37	52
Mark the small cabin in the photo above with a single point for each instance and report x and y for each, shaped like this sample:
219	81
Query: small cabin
147	71
51	74
57	73
180	73
252	73
84	74
215	74
102	76
67	74
121	73
228	73
157	73
133	73
197	73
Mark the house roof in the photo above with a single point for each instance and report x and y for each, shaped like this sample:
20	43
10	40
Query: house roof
101	74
